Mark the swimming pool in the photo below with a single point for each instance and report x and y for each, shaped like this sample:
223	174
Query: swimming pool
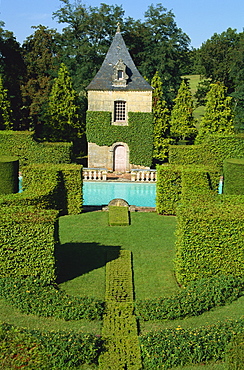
100	193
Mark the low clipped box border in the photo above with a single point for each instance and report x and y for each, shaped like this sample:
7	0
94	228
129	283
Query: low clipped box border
118	216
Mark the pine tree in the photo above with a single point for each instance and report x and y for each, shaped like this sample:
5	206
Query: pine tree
63	109
182	122
218	117
5	109
160	119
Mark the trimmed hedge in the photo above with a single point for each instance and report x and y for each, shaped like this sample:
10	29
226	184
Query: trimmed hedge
176	182
33	296
119	331
198	297
234	176
188	154
138	134
209	239
118	216
50	187
27	242
21	348
9	169
178	347
212	151
22	145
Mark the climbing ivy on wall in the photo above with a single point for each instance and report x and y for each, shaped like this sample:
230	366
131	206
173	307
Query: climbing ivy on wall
138	134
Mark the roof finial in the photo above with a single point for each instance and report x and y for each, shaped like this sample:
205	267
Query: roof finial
118	27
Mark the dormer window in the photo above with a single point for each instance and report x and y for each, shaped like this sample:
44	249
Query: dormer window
120	76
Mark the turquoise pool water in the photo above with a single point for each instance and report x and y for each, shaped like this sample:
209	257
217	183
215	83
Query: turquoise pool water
100	193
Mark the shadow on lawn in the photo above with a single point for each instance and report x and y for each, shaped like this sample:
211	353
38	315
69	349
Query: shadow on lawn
76	259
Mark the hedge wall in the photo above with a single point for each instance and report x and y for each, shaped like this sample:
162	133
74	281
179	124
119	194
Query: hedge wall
65	180
22	145
212	151
45	190
9	168
27	241
175	182
188	154
209	239
138	134
234	176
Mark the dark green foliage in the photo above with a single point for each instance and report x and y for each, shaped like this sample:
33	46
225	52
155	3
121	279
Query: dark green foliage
9	168
235	353
175	182
138	134
234	176
182	121
22	145
46	350
178	347
198	297
118	216
209	238
33	296
12	70
63	117
27	242
218	115
161	116
5	109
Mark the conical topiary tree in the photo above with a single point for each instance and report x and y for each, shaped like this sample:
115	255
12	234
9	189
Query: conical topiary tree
218	117
161	139
182	122
5	109
63	118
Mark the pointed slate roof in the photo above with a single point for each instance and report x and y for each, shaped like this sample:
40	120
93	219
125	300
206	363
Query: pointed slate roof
104	77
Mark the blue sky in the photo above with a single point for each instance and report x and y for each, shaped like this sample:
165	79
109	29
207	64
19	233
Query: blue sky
199	19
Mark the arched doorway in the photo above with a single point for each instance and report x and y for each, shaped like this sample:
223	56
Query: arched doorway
120	158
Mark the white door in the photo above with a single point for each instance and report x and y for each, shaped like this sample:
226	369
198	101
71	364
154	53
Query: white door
120	158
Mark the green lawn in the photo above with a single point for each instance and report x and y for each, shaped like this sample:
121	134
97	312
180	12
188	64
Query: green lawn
86	238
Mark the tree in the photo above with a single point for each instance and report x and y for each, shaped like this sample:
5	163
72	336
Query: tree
215	57
86	37
12	69
161	139
218	117
237	74
182	122
63	123
159	45
156	44
5	109
40	52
